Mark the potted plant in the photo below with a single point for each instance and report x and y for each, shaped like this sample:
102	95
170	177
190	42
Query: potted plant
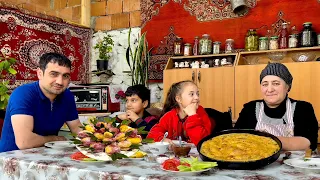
138	60
5	68
105	47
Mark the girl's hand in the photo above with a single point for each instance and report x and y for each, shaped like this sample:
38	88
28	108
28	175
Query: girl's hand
191	109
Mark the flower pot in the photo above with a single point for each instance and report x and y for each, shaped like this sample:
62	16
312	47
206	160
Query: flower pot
102	65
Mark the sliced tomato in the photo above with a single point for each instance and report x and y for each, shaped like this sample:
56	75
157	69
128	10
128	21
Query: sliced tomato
171	164
186	164
78	156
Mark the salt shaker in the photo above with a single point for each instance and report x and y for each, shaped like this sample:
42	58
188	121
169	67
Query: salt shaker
176	64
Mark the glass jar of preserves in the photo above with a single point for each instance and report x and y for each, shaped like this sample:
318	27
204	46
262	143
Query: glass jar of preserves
187	49
273	43
293	41
205	44
251	40
307	36
178	47
283	38
196	46
263	43
229	48
216	47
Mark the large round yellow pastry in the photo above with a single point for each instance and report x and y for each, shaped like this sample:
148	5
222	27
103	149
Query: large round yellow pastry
239	147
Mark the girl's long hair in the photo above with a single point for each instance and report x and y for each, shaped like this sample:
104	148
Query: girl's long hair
174	90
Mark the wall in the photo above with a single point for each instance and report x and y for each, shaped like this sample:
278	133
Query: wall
68	10
115	14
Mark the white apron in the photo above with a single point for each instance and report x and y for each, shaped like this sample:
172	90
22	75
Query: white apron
283	127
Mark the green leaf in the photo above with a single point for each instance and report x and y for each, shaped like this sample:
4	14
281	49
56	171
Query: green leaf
125	122
73	134
76	141
116	156
147	140
135	146
128	133
12	71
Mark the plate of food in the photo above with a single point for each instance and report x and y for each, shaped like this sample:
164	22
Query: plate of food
304	163
108	141
187	166
60	144
237	149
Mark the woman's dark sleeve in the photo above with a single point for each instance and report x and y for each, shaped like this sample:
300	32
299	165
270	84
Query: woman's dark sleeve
247	117
305	123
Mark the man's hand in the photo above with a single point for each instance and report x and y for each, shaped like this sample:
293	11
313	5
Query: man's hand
191	109
59	138
132	115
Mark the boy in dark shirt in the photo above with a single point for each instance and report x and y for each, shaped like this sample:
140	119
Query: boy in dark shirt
137	100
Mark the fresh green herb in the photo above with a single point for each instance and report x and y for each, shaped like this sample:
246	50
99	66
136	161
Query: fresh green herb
116	156
195	164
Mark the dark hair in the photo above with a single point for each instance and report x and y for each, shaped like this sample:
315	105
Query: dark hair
174	90
61	59
141	91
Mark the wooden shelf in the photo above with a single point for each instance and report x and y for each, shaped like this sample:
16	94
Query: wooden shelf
171	60
204	56
264	59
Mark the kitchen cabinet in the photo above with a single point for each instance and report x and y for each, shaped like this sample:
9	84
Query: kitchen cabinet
216	84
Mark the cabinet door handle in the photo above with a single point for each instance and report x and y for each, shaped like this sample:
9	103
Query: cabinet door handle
199	76
193	76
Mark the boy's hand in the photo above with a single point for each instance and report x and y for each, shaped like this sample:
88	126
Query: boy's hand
132	115
191	109
122	116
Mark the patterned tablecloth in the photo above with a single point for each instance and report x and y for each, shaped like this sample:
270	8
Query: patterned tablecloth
51	164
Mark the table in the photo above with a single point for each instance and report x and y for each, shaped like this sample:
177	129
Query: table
52	164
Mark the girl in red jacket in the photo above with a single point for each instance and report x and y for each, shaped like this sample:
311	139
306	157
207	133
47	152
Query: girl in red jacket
183	116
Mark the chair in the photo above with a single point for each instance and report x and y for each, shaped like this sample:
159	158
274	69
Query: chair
222	120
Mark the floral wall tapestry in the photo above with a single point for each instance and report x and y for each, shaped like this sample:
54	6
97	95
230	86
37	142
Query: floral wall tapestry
26	37
191	18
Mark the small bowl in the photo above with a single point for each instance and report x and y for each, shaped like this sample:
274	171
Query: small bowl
276	56
303	56
250	60
181	151
158	148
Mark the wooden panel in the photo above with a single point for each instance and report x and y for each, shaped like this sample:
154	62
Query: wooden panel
247	85
171	76
216	87
306	83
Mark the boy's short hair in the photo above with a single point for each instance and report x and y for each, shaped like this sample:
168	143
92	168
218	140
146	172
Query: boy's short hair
141	91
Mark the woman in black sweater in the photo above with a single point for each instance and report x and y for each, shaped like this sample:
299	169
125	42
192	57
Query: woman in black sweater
293	122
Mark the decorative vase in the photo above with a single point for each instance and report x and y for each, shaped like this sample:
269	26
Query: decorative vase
122	106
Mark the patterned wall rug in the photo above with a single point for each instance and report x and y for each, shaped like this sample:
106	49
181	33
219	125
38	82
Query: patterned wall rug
26	37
